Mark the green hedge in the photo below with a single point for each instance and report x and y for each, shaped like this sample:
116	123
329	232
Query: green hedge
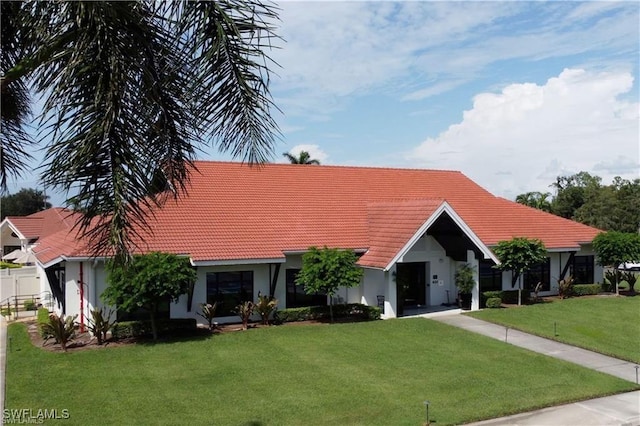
486	295
586	289
494	302
356	310
125	329
42	318
511	297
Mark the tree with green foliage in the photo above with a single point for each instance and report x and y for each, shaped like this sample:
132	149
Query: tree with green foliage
130	90
537	200
572	192
582	197
24	202
328	269
518	255
616	248
148	281
303	158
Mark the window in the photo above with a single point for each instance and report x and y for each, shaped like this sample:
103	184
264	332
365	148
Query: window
296	297
229	289
9	249
582	269
539	273
490	277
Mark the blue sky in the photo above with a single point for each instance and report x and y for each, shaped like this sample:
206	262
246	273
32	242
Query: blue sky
513	94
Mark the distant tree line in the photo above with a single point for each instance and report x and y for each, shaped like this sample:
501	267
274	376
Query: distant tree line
583	198
23	203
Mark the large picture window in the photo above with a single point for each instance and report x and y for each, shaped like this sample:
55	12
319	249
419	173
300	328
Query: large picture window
539	273
582	269
229	289
490	278
296	297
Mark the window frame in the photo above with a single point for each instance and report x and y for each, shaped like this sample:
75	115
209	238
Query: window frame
227	301
529	280
295	295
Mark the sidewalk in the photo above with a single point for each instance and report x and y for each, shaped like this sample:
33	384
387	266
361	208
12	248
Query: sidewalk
595	361
622	409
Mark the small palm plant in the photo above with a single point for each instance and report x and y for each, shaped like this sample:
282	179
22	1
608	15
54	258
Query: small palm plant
244	311
266	306
100	324
62	329
209	313
565	287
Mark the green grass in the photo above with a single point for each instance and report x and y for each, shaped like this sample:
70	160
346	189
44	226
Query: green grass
356	374
609	325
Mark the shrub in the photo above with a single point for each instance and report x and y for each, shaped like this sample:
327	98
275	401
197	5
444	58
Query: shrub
5	311
9	265
586	289
126	329
208	313
494	302
486	295
631	278
355	310
265	306
565	287
99	325
464	279
61	328
511	296
244	311
43	318
29	305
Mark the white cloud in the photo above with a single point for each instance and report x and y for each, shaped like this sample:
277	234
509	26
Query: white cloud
533	133
314	151
413	50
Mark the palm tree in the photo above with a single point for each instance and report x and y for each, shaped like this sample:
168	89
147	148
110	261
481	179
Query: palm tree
537	200
130	90
303	158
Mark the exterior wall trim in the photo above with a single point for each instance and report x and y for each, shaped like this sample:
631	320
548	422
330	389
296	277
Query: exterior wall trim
443	208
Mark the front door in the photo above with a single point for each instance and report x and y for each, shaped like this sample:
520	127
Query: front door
411	282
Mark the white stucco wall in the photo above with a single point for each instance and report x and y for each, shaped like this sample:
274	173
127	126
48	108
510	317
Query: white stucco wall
260	284
440	269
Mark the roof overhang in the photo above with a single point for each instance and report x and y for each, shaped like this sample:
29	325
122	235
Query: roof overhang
299	252
236	262
466	230
13	228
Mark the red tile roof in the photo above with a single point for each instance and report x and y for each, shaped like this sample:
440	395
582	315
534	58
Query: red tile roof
236	212
43	223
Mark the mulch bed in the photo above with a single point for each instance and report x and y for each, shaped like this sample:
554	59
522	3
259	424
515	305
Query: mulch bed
84	340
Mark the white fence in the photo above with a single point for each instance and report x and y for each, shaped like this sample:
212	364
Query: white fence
19	282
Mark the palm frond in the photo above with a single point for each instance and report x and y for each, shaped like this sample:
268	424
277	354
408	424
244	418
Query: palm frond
116	116
226	41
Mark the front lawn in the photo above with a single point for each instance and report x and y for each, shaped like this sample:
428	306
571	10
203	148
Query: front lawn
363	373
609	325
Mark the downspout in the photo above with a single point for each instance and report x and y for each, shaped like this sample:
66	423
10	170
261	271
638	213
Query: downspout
81	297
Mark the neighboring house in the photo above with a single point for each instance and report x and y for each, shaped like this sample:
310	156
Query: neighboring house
245	230
22	234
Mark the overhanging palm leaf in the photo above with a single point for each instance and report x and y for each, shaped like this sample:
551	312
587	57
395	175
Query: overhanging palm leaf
131	87
14	100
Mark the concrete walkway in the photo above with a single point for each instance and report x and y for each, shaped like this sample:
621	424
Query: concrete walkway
606	364
622	409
